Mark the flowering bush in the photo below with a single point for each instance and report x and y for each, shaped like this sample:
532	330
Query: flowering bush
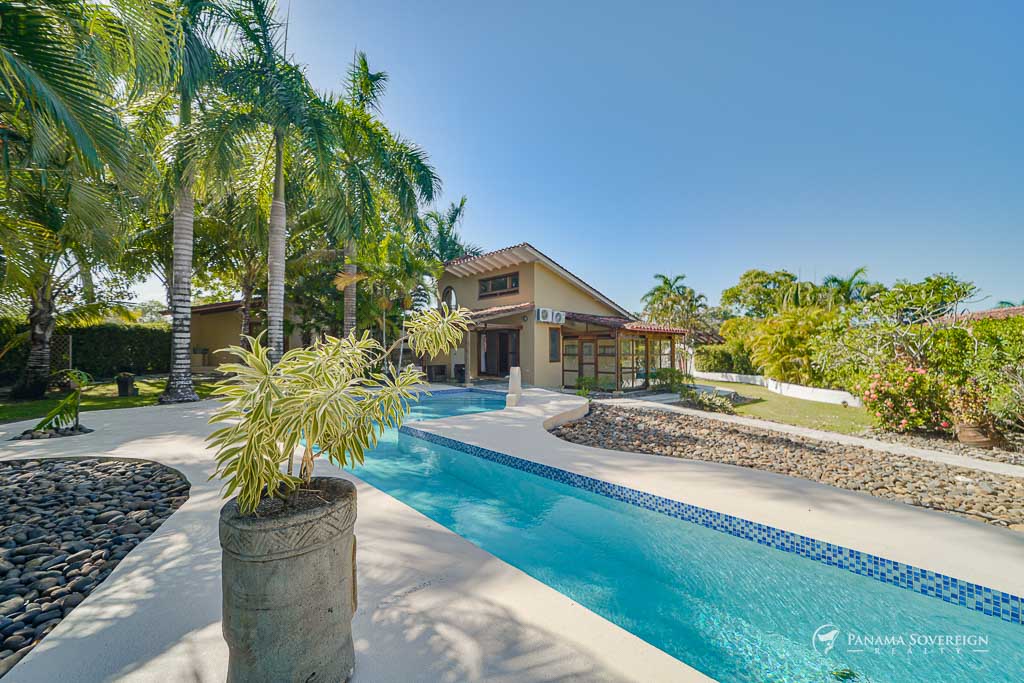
969	404
905	398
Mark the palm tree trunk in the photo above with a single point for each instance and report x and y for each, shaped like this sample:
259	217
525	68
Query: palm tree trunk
179	387
276	254
348	321
36	375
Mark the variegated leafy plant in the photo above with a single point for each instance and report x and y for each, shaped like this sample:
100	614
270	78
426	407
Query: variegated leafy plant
329	399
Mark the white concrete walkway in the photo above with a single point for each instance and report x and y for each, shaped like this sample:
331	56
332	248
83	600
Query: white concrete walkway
432	606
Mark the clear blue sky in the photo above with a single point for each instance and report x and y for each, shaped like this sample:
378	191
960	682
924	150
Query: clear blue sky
706	138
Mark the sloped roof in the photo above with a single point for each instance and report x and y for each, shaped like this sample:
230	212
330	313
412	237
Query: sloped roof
523	252
996	313
699	336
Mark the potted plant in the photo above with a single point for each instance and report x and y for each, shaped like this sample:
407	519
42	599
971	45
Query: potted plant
288	548
973	422
125	384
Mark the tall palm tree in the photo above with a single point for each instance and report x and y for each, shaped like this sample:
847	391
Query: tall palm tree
193	59
376	173
842	291
274	93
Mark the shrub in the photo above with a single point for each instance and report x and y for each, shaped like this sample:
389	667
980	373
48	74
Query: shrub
784	345
968	404
585	385
714	403
670	379
103	350
713	358
905	398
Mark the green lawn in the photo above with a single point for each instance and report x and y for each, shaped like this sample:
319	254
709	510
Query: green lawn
101	396
795	411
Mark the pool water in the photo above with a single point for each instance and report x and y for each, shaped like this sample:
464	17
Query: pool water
733	609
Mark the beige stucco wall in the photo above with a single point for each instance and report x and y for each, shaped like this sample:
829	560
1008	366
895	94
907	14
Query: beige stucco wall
214	331
218	330
545	289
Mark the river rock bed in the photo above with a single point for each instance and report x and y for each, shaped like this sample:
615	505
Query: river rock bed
992	498
64	525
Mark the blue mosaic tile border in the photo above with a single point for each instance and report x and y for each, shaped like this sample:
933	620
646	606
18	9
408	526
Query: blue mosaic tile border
932	584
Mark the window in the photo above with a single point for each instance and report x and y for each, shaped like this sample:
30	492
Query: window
501	284
554	344
449	298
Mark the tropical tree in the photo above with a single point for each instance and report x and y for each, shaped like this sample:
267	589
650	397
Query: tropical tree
671	302
1010	304
443	238
195	22
81	222
60	62
783	345
269	92
379	179
846	290
757	294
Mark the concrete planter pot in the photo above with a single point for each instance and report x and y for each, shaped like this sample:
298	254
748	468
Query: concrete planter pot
290	590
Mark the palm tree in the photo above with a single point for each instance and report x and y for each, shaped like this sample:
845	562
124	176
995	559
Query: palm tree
60	62
847	290
443	239
375	172
82	222
443	233
671	302
271	92
1010	304
193	58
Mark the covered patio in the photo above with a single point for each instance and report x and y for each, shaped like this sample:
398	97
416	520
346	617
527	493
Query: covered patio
622	354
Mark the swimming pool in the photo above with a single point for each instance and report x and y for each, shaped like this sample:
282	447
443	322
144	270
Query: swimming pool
731	608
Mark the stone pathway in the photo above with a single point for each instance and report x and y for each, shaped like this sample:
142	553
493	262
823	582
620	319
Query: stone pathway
64	526
986	496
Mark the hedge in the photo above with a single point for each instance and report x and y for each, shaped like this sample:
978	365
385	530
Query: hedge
103	350
712	358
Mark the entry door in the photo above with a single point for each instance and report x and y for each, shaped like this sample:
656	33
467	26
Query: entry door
588	358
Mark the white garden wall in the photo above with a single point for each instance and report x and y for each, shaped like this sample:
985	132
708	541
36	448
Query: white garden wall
785	389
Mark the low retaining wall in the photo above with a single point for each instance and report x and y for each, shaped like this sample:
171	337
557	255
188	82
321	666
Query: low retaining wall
784	388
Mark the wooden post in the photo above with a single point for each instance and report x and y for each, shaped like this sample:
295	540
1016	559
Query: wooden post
647	361
672	351
618	364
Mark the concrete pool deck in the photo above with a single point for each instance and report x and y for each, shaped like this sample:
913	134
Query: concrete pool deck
432	606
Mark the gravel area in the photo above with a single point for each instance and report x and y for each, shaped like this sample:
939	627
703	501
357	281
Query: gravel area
992	498
64	525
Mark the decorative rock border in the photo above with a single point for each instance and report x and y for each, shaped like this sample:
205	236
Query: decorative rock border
52	433
65	523
996	499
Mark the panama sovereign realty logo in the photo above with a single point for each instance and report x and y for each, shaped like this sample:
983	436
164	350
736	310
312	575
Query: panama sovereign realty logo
824	638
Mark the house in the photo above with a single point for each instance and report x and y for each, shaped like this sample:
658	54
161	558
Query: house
529	311
216	326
